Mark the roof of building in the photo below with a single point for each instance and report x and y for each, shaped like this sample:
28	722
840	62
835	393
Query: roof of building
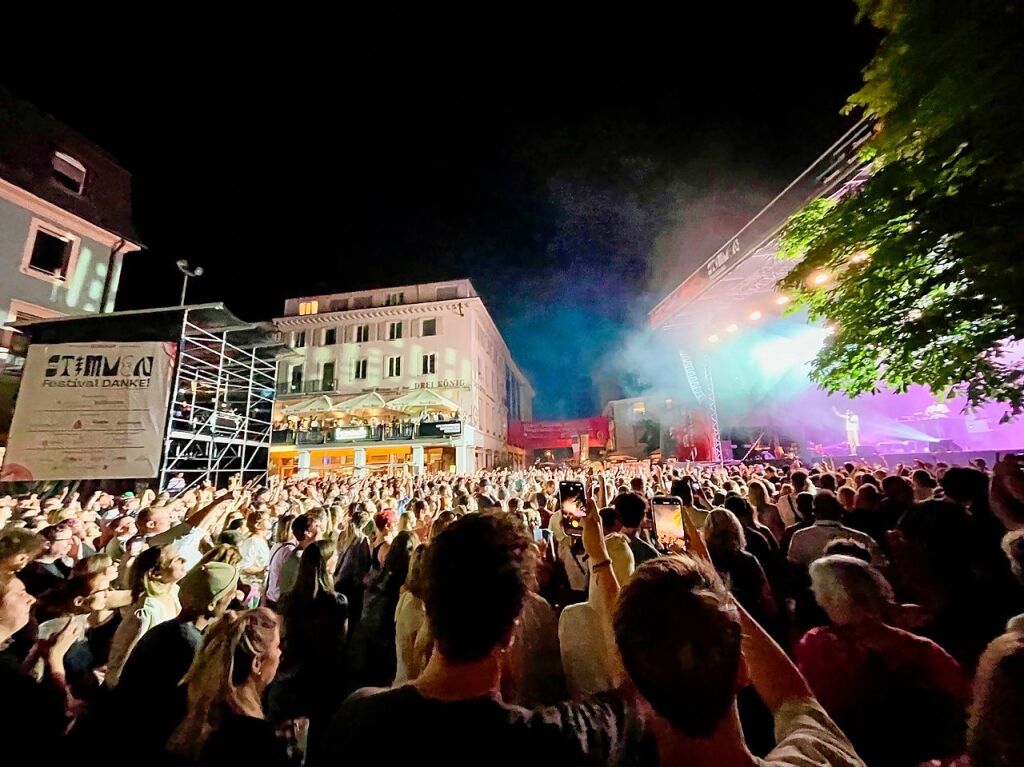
28	140
162	324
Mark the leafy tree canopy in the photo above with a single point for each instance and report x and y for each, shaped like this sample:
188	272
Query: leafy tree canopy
920	270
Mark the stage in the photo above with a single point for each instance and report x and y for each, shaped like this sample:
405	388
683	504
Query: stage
725	345
891	460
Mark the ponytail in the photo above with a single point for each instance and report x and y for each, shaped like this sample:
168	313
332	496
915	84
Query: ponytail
217	674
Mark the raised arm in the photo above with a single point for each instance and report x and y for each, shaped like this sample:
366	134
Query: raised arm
774	676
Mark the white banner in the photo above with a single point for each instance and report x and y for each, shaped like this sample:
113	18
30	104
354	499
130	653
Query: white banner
90	411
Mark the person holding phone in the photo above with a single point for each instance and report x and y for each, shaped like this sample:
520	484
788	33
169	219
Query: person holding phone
676	609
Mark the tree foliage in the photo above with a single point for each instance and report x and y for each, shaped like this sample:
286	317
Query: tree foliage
923	262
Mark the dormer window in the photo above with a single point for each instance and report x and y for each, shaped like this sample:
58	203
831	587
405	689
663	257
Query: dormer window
69	172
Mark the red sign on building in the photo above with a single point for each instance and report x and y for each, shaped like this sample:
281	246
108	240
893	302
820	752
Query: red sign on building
542	435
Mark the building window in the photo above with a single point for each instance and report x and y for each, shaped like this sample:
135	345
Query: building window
69	172
49	252
330	336
447	292
360	373
309	307
394	331
395	299
299	339
296	380
362	334
429	364
361	302
339	304
394	367
430	327
327	378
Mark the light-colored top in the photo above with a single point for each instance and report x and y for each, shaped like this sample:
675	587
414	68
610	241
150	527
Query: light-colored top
577	567
534	675
555	526
279	554
809	544
255	552
410	619
581	638
805	736
135	622
787	509
697	516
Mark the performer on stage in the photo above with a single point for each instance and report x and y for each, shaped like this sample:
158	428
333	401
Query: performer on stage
852	428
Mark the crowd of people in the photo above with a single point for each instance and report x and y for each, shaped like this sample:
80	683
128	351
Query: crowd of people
390	426
825	615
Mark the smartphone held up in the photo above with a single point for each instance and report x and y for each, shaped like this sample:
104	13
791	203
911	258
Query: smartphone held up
667	511
572	500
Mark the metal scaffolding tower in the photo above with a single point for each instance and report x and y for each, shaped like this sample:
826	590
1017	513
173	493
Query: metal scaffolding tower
222	398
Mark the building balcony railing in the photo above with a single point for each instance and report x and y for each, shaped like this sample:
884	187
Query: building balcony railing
313	386
354	435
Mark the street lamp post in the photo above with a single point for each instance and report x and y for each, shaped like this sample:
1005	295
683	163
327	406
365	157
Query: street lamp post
182	265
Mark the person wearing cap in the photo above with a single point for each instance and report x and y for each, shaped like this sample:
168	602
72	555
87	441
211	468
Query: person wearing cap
150	681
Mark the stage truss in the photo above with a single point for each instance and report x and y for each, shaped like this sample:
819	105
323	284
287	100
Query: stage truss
219	419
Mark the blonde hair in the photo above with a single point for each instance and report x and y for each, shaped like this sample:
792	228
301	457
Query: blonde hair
757	493
407	523
723	531
215	679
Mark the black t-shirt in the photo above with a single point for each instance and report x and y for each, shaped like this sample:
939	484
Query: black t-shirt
480	731
32	714
151	680
245	740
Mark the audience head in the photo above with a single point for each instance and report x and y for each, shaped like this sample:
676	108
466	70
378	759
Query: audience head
631	509
995	737
681	489
740	507
208	588
477	576
868	498
238	658
19	547
757	493
158	564
827	507
965	485
316	571
15	605
676	629
849	590
799	480
59	539
723	531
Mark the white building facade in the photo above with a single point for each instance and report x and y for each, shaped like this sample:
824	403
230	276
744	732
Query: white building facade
393	342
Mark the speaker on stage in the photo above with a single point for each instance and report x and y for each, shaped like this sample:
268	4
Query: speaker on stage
944	446
867	451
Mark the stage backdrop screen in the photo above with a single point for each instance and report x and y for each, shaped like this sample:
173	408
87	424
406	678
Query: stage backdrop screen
90	411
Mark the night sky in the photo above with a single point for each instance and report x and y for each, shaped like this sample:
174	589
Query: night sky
575	160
